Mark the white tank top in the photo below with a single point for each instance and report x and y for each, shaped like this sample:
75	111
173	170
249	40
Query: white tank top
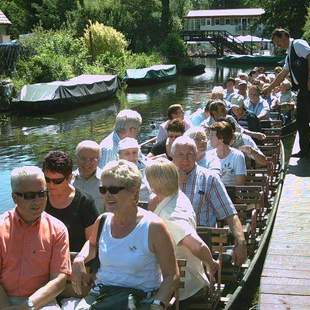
127	261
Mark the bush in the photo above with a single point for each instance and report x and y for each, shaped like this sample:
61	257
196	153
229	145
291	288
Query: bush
173	48
45	67
101	40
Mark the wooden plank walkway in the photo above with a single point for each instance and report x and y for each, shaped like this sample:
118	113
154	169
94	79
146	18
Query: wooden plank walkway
285	280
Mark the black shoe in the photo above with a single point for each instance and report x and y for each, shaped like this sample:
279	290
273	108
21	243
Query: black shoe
301	154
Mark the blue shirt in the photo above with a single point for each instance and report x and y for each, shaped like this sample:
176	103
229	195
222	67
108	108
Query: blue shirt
208	196
109	149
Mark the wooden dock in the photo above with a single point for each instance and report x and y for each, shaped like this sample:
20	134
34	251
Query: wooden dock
285	280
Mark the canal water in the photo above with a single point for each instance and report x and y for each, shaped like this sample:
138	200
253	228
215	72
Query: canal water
25	140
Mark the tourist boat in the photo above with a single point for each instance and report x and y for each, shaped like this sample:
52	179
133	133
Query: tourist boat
251	59
150	75
256	203
64	95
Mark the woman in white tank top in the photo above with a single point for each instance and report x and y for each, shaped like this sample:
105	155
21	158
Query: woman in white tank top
135	249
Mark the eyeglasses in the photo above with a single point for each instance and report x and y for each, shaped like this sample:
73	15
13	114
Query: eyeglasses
32	195
88	159
111	189
55	181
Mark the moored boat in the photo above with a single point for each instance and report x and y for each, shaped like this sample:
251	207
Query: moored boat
251	59
64	95
193	69
150	75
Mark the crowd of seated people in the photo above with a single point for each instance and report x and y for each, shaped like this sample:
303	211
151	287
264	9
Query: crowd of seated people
94	211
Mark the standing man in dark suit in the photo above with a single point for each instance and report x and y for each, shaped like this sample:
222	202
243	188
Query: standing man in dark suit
297	63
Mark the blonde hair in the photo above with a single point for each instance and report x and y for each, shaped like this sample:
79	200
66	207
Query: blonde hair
125	172
196	133
20	174
163	176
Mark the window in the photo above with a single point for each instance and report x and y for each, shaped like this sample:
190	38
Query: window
227	21
208	21
216	21
197	24
222	21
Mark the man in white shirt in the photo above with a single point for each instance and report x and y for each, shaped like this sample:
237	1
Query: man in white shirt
297	63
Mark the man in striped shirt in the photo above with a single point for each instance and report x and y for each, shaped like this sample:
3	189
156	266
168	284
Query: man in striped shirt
207	193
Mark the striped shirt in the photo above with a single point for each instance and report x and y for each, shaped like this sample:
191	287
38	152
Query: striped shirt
208	196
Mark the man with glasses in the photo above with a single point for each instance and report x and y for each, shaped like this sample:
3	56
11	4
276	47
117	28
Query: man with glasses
207	194
256	104
87	175
34	247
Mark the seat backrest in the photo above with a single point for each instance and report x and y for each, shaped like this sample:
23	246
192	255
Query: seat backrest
216	239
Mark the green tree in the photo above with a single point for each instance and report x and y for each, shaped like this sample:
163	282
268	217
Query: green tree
101	39
307	27
283	13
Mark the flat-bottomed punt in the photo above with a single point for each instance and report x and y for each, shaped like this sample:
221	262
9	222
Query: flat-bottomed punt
150	75
64	95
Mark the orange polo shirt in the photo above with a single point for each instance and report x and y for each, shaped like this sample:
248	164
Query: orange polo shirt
30	253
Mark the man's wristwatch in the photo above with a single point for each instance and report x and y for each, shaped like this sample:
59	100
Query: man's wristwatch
30	304
159	303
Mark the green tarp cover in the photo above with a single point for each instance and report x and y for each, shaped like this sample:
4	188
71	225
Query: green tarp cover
150	73
78	87
251	59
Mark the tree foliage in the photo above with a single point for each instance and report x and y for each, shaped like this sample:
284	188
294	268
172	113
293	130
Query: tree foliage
101	39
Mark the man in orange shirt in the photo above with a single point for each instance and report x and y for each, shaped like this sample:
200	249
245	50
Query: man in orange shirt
34	247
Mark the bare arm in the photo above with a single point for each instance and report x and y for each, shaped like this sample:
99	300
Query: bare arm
277	81
88	231
259	158
240	250
49	291
201	251
161	244
79	277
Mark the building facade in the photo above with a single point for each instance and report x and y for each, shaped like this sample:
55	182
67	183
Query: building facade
235	21
4	26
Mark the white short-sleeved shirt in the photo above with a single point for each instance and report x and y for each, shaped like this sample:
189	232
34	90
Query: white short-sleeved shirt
258	107
210	163
302	49
231	166
179	216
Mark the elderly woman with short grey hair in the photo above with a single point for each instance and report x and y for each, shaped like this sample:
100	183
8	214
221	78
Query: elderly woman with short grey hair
177	212
135	250
199	135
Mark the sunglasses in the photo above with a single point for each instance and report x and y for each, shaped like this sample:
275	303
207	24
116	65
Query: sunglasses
32	195
111	189
55	181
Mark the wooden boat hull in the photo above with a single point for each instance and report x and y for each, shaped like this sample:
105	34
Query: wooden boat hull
59	96
240	291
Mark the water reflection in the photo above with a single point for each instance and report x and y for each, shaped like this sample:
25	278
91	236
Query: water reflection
25	140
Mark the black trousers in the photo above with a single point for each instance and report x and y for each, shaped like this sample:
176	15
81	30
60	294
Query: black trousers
303	120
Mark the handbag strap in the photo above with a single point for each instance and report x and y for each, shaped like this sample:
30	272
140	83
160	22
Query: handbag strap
100	226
